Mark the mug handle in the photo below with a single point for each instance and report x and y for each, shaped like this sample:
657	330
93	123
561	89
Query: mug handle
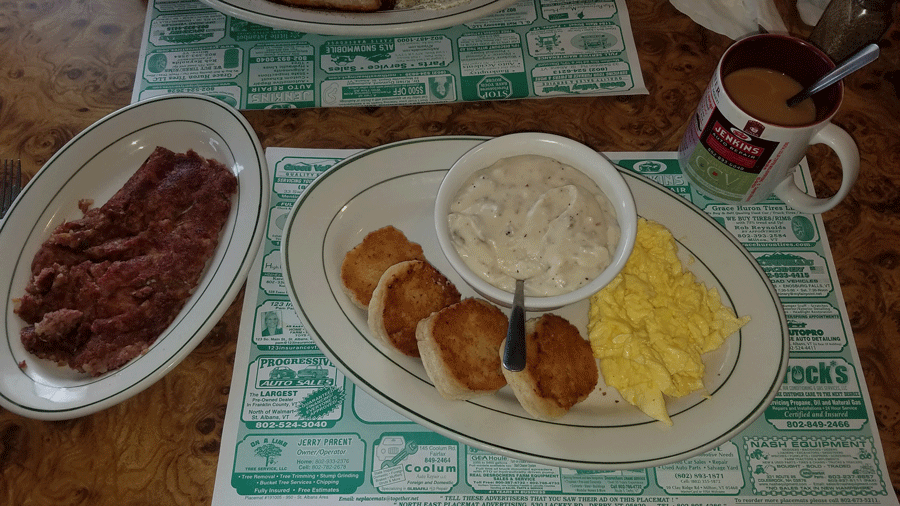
847	152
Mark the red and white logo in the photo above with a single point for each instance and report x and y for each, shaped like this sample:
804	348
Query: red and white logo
740	134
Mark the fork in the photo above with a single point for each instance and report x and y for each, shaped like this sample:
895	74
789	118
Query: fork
10	184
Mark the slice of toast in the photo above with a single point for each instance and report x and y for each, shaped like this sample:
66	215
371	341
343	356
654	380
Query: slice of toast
364	264
458	346
339	5
560	369
406	293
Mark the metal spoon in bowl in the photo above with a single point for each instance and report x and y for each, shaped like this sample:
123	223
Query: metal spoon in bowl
514	354
862	58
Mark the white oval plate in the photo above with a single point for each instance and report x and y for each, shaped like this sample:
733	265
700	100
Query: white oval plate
396	185
382	23
95	164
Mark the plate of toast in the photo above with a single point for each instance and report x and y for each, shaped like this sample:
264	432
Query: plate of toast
377	204
359	17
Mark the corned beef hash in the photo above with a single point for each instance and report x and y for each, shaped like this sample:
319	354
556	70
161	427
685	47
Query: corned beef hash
104	287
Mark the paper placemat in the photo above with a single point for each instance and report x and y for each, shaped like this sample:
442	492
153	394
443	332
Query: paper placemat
817	443
532	49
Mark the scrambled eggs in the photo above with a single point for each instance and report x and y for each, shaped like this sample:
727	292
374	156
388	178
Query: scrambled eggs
652	323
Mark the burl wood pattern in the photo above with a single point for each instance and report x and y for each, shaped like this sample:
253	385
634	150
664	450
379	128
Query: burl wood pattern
65	64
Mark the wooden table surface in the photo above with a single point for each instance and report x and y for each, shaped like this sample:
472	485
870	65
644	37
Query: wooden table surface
66	63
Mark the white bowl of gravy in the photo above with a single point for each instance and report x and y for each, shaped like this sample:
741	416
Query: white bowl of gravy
538	207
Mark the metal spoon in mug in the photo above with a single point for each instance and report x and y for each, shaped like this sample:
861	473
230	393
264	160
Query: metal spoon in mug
514	353
862	58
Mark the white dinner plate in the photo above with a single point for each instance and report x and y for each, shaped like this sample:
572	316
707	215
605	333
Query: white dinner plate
382	23
95	164
396	185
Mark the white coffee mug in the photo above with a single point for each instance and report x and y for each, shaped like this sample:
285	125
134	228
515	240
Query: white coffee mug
737	158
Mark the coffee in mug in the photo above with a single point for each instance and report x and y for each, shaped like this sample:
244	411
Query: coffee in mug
744	143
763	93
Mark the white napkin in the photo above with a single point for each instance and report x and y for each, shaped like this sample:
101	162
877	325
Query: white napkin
811	10
733	18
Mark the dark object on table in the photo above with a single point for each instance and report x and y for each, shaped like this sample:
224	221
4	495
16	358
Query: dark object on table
848	25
